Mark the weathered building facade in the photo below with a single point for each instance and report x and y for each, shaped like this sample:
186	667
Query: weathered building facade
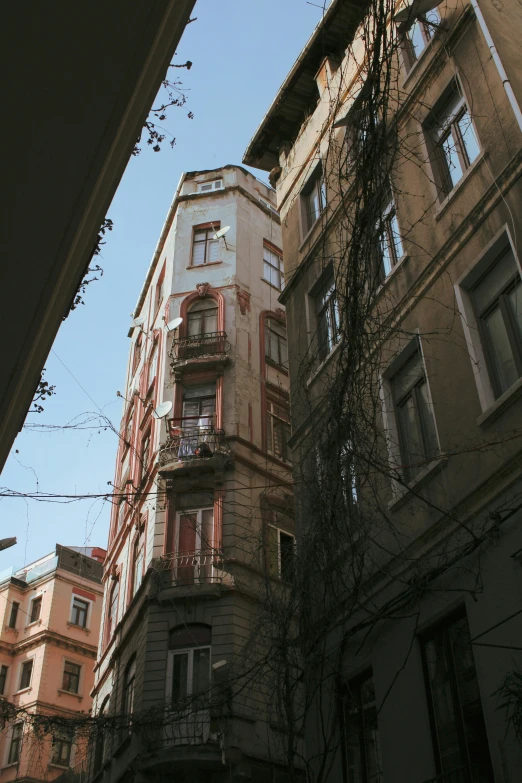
51	612
398	185
203	513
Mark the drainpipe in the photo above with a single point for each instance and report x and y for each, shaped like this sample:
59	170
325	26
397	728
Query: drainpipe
500	68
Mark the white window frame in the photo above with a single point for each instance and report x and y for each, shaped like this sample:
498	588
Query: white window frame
190	667
215	184
68	659
390	423
20	672
87	626
428	32
392	237
279	268
199	522
314	183
29	613
470	325
286	533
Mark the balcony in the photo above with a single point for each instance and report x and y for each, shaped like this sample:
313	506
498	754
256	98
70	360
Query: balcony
196	446
202	566
200	351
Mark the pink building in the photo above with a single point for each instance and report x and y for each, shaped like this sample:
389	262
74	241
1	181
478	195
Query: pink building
48	642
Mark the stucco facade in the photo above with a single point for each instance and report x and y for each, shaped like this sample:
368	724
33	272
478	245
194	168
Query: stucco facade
202	493
450	238
51	613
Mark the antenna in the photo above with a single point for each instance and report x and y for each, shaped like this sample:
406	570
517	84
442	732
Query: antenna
174	324
163	409
222	231
417	9
139	321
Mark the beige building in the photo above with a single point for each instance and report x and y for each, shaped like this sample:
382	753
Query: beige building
49	637
398	185
203	513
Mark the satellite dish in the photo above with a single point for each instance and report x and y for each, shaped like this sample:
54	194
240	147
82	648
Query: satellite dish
416	9
139	321
163	409
174	324
226	229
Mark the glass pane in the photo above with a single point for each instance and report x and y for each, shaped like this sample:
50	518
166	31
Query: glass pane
386	257
408	376
396	236
428	420
500	349
468	137
444	712
201	672
449	146
179	677
266	271
207	528
284	352
417	39
269	444
273	551
194	324
213	250
497	278
313	206
515	304
211	321
410	437
274	347
198	252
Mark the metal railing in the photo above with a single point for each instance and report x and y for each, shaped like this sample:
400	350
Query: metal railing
468	773
193	443
202	566
211	344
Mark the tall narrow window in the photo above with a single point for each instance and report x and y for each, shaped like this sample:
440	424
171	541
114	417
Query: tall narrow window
112	611
14	614
390	242
416	423
160	287
313	198
99	747
3	679
137	564
15	746
128	687
281	553
153	366
497	299
26	674
273	270
205	249
278	428
145	454
80	612
71	677
62	749
328	319
36	609
195	545
137	352
419	34
189	667
276	347
459	733
199	406
202	318
361	734
455	142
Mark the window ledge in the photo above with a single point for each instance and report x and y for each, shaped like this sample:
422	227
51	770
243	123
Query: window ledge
278	367
402	491
402	260
203	266
80	627
310	232
58	766
321	367
279	290
451	195
35	622
78	696
499	406
11	765
413	69
22	690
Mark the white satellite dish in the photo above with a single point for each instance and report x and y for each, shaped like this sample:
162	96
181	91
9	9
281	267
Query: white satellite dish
416	9
139	321
163	409
226	229
174	324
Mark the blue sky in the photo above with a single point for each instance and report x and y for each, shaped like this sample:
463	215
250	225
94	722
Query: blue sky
241	51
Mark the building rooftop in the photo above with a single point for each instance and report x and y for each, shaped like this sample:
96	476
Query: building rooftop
84	561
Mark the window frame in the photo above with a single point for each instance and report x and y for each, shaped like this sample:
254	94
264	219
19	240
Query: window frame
4	671
189	652
203	311
315	186
23	668
61	741
326	314
275	264
213	183
268	332
138	563
112	603
75	676
13	615
87	608
15	741
145	453
285	577
37	601
355	686
390	239
274	420
137	353
428	30
200	399
209	229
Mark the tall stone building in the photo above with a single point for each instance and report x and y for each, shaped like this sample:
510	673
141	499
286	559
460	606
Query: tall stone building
51	612
395	144
203	518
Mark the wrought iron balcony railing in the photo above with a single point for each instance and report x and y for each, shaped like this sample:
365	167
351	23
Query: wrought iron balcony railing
202	566
195	442
468	773
211	344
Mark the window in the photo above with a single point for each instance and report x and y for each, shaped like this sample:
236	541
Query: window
128	687
137	564
278	428
127	432
145	454
205	249
71	677
415	421
3	679
348	473
497	300
361	734
206	187
328	320
80	611
158	299
189	664
15	746
419	34
313	198
112	609
62	749
457	723
26	673
390	243
99	748
273	271
199	406
202	318
14	614
122	510
454	140
153	366
276	348
281	553
36	609
268	205
195	558
137	352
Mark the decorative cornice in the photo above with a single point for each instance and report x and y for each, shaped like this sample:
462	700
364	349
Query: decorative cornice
57	640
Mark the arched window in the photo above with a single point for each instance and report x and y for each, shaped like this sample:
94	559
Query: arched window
188	673
99	747
202	318
137	564
128	687
112	610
